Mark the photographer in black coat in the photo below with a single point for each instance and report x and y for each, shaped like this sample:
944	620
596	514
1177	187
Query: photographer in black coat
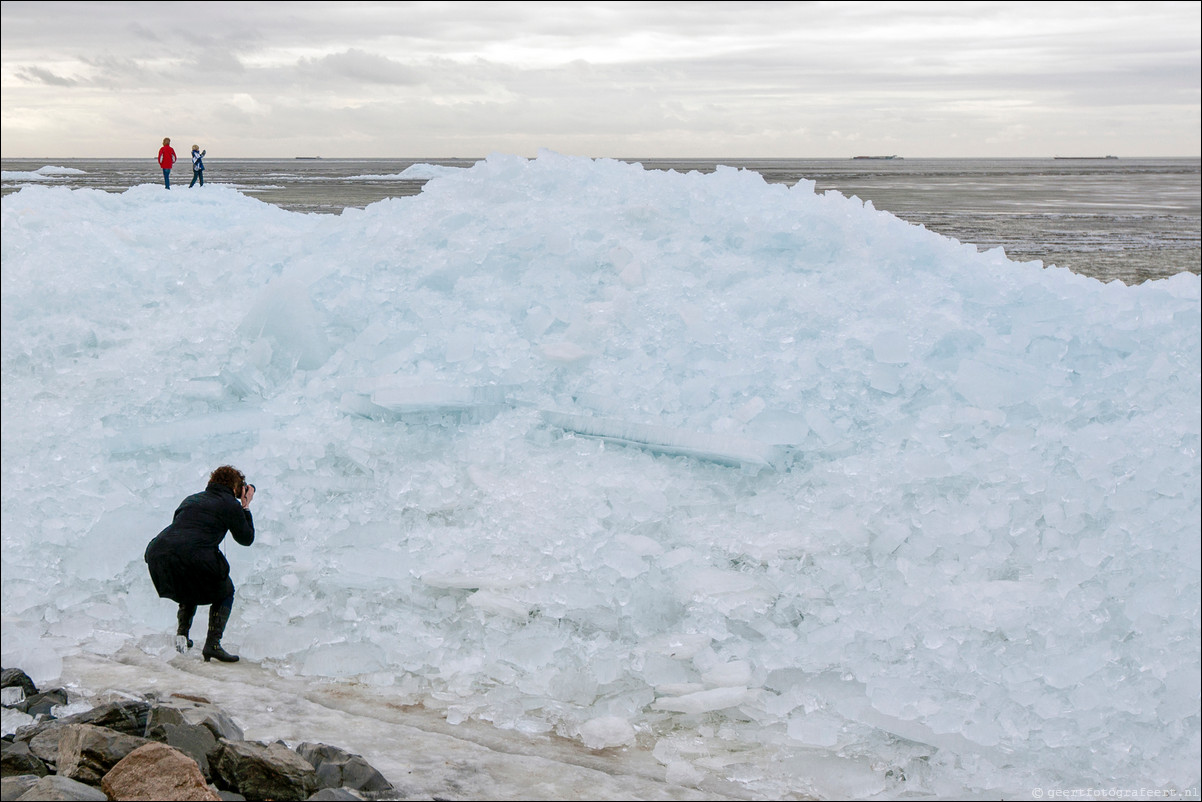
186	565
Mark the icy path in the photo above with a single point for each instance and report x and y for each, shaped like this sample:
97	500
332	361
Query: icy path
422	755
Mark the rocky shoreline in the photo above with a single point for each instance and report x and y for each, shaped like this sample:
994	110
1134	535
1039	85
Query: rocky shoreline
175	747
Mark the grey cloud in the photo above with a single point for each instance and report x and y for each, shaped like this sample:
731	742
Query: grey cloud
141	31
111	72
38	75
358	65
217	61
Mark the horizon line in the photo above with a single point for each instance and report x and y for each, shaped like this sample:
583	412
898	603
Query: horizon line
1061	157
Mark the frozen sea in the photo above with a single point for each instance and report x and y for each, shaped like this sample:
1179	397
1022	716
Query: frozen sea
598	479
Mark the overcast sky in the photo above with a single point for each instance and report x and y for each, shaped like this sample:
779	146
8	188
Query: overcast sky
654	79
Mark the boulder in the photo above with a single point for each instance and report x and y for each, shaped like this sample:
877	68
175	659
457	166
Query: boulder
192	725
336	795
15	786
128	716
156	771
196	712
262	771
337	768
44	740
54	787
194	741
15	677
16	759
87	752
40	704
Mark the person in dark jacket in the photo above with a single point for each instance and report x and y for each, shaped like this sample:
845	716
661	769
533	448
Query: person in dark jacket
186	565
198	166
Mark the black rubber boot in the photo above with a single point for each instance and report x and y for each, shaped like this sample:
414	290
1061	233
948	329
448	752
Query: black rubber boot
183	640
219	614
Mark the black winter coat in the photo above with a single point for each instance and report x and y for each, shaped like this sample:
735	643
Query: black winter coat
185	564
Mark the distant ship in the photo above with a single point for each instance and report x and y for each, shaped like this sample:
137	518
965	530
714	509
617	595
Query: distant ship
308	158
1085	158
876	157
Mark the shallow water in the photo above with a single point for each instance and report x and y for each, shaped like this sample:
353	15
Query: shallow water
1127	219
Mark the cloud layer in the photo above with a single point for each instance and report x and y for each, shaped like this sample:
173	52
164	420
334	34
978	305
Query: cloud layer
254	79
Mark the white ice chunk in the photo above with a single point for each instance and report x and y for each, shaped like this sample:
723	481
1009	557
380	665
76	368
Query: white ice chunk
723	449
189	433
815	729
682	646
342	660
891	348
493	602
285	313
707	701
736	672
606	731
12	720
565	353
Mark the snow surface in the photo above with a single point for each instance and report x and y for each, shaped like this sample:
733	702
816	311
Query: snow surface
771	485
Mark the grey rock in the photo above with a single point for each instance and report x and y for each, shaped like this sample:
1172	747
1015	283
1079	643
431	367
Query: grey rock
12	787
87	752
337	768
16	759
262	771
128	717
44	742
53	787
40	704
335	795
194	741
10	677
180	710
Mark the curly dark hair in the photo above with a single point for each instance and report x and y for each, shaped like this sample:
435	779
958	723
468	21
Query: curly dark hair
229	476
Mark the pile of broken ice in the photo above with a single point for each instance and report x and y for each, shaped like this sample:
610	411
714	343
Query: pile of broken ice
727	467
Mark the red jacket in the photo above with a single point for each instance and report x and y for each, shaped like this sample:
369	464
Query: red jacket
166	157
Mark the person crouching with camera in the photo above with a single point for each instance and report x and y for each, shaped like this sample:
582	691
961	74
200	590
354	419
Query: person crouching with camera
186	564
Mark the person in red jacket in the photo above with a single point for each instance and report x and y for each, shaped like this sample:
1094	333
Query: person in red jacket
167	160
